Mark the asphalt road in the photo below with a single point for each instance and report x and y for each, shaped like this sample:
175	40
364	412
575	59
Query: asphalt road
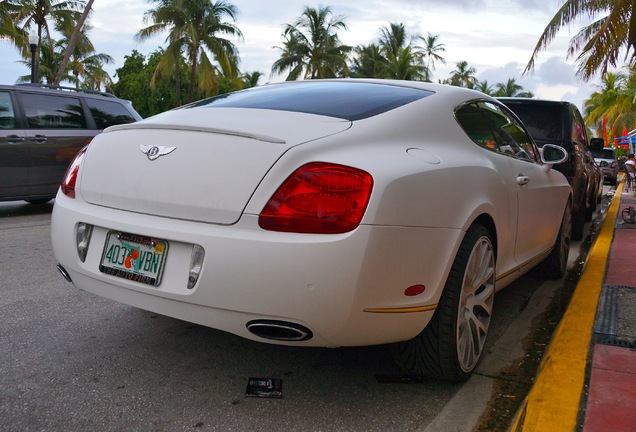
73	361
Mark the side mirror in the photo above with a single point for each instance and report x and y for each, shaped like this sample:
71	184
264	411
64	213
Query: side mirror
597	144
553	154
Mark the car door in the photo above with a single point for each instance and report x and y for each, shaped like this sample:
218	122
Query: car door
56	130
540	191
13	160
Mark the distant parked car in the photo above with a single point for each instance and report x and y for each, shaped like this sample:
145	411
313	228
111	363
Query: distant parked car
606	158
320	213
561	123
41	130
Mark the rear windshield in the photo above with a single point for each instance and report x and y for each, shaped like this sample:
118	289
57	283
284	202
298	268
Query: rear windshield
544	121
604	154
342	99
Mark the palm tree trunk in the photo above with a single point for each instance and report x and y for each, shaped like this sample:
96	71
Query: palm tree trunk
72	42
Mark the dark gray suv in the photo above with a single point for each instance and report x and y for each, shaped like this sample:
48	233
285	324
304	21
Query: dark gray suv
41	130
561	123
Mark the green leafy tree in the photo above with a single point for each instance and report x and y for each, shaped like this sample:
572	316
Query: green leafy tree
610	36
85	67
509	88
312	48
432	48
132	84
402	59
614	100
367	61
485	88
33	16
194	27
251	79
463	76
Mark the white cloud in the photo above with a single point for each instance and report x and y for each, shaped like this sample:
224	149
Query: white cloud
496	37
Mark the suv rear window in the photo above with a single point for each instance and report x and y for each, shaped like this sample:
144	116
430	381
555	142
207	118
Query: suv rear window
543	121
107	113
345	100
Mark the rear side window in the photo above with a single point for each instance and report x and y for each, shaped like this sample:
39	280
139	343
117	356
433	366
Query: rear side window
45	111
7	116
489	126
345	100
107	113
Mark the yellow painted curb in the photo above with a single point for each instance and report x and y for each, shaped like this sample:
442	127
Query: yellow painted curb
553	401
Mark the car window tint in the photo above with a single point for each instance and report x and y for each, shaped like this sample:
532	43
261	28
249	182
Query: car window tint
476	127
107	113
543	120
510	134
578	127
7	116
53	112
346	100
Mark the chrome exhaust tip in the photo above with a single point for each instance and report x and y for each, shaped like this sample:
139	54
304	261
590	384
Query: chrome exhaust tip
279	330
64	273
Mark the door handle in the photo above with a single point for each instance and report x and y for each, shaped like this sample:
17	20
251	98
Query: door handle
522	180
15	139
40	139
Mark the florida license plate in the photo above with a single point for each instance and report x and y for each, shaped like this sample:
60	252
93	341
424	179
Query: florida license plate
134	257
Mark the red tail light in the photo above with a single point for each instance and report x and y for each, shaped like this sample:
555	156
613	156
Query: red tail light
68	183
320	198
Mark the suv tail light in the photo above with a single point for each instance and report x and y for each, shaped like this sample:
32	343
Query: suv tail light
319	198
70	178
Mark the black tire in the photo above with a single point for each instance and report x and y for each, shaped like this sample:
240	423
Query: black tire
578	222
589	212
452	343
555	264
39	201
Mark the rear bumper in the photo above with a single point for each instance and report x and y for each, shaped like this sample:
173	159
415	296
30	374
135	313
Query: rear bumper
326	283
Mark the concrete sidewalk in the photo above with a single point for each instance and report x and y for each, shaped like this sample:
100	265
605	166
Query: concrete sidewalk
587	378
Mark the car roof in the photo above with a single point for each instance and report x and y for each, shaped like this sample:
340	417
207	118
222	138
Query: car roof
44	88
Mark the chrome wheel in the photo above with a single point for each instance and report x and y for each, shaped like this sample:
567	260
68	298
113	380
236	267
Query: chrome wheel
476	300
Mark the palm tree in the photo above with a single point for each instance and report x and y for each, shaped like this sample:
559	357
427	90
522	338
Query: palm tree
312	48
401	58
600	43
614	101
406	64
510	88
192	27
250	79
393	39
485	88
431	50
73	41
368	61
463	76
34	15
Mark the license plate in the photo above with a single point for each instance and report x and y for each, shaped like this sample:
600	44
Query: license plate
134	257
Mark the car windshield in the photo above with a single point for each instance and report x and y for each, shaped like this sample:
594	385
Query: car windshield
603	154
346	100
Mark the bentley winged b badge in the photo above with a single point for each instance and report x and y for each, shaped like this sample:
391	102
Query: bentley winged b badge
153	151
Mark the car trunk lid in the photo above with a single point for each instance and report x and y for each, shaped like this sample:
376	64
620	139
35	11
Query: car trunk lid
197	164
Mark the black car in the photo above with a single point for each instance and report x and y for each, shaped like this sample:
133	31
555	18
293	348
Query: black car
561	123
41	130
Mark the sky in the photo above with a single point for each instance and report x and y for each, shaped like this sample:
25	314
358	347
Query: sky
496	37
